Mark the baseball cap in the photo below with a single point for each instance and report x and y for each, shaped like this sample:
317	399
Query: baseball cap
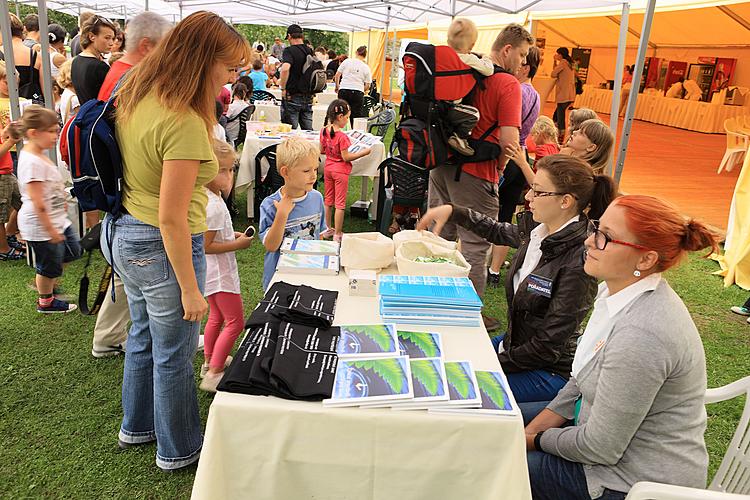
294	29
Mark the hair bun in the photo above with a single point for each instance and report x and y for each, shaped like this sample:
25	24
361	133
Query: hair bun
697	237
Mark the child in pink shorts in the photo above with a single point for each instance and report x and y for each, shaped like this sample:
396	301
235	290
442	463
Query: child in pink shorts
222	276
334	143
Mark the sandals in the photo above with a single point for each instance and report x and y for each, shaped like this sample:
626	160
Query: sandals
14	243
13	254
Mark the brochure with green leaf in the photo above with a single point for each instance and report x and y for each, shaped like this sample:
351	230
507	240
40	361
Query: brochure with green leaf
429	381
462	387
367	341
420	344
366	380
497	398
307	264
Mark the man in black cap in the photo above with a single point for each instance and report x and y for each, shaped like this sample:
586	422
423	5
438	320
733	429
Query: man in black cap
296	98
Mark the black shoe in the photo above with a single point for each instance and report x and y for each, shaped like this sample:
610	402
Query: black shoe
493	280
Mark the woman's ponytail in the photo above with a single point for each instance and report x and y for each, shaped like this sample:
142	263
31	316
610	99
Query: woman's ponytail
697	237
605	191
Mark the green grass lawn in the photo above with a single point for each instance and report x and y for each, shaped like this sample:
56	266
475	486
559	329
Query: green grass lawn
60	407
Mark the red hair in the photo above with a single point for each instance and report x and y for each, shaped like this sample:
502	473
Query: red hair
659	226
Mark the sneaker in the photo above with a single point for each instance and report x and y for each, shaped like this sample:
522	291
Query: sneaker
200	342
204	366
328	233
493	279
490	324
211	381
748	321
741	310
107	351
460	145
57	306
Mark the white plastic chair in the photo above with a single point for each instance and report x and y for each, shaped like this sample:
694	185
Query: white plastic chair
732	480
737	144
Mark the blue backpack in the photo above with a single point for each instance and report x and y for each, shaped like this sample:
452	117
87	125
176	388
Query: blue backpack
89	146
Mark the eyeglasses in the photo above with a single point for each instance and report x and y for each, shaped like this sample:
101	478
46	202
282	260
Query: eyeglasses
539	194
601	239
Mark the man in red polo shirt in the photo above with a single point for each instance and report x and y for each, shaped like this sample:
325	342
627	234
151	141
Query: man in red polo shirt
143	33
499	102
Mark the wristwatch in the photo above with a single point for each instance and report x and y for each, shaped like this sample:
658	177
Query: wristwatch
538	441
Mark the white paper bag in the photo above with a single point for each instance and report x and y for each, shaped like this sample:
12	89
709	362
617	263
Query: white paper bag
425	236
409	250
366	251
360	124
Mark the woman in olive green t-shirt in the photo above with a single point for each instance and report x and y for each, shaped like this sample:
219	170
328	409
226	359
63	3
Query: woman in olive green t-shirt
164	115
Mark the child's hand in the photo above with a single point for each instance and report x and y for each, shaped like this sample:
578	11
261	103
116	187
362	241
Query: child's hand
285	206
237	234
55	238
366	151
6	135
242	240
515	153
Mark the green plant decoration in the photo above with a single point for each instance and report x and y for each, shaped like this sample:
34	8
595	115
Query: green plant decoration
390	370
458	378
424	341
492	388
425	371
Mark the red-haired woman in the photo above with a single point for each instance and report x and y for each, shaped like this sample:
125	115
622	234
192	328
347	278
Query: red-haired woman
636	394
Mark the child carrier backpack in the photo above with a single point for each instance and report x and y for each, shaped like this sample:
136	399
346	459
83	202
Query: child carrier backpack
434	77
89	147
313	80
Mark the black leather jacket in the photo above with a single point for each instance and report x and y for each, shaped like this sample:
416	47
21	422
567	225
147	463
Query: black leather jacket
545	314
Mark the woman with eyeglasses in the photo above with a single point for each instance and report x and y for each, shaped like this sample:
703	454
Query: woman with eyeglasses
165	115
548	292
633	409
89	69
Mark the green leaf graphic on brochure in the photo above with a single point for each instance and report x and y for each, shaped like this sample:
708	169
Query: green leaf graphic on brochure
366	338
459	381
424	342
491	388
387	369
425	371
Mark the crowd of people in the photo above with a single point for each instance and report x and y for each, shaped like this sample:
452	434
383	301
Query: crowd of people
592	403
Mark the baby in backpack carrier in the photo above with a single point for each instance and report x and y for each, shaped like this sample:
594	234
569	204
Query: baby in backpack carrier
462	35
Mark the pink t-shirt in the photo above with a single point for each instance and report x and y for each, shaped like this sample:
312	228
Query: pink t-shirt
332	148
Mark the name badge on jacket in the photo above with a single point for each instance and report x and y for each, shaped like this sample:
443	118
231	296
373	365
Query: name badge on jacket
539	285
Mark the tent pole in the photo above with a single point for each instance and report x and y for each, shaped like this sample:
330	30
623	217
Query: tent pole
351	43
369	32
453	10
146	5
18	10
180	5
385	46
648	18
49	101
15	110
393	62
621	47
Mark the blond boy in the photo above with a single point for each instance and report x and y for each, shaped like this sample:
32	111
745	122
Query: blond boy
296	210
462	35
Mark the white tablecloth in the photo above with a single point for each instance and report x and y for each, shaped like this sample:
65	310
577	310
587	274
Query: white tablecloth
268	448
655	108
367	166
325	98
273	113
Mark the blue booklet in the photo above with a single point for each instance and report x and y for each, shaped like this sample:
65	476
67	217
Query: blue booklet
428	290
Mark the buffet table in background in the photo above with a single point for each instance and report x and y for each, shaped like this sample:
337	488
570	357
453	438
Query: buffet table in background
268	448
656	108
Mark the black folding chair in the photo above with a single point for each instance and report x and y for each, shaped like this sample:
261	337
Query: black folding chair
268	184
368	103
400	183
262	95
378	124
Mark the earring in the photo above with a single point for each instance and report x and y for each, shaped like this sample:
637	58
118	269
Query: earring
637	273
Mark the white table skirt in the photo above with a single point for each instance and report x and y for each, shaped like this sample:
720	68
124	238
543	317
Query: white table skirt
367	166
269	448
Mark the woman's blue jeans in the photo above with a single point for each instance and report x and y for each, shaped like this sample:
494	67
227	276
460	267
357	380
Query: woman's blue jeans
159	399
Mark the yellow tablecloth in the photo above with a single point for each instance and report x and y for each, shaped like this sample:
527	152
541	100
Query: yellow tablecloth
367	166
267	448
735	263
690	115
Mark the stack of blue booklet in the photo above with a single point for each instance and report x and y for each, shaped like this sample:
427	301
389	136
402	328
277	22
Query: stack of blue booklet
429	300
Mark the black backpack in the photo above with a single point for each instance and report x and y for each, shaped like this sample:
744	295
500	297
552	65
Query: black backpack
313	79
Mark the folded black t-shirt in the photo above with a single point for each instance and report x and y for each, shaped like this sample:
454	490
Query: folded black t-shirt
312	307
275	301
304	364
243	375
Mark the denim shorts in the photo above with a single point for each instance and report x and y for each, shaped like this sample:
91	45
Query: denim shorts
50	257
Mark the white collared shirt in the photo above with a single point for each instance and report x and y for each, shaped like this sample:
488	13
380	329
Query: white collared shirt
602	321
534	251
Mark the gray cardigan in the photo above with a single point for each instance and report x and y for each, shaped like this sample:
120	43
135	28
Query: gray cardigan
642	415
